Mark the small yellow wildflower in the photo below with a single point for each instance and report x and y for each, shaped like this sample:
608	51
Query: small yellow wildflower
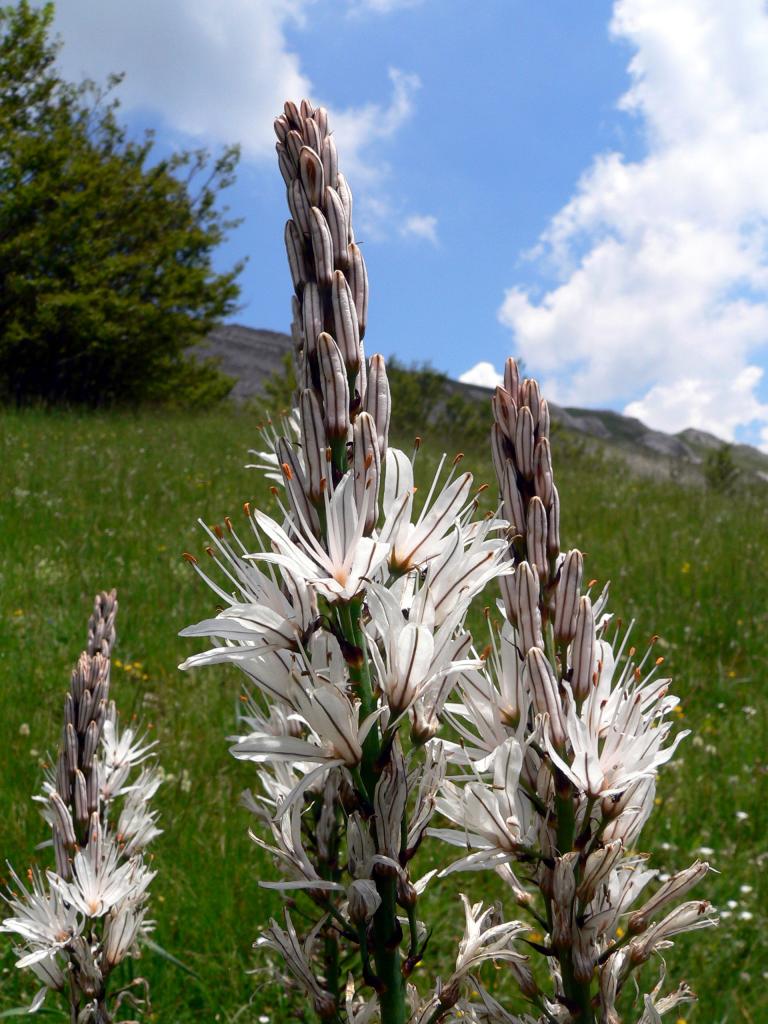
685	567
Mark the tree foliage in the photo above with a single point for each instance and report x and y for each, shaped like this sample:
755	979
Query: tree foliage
105	253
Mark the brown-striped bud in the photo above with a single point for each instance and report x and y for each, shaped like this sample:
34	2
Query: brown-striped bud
530	396
563	895
90	744
311	134
504	412
345	195
337	225
378	402
367	466
81	798
298	204
320	117
583	649
528	616
330	161
293	145
542	471
536	536
513	512
296	487
345	327
311	315
512	380
546	698
358	282
544	420
333	383
312	176
553	524
315	443
598	867
294	247
285	164
322	246
567	596
675	887
524	436
63	820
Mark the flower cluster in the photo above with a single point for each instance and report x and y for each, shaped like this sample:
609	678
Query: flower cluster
76	924
347	615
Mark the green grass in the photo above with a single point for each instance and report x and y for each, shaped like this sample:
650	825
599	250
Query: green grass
94	501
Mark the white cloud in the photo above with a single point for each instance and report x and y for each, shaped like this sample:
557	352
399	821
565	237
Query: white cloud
220	72
485	375
383	6
663	300
420	225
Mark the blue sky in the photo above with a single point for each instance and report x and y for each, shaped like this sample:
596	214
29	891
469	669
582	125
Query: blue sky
582	185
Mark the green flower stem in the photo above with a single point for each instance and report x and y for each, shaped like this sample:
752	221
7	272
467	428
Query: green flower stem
578	993
386	932
386	939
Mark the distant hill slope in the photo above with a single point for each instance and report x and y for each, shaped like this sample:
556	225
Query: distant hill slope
252	356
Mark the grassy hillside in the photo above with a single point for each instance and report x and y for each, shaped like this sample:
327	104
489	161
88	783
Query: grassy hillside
94	501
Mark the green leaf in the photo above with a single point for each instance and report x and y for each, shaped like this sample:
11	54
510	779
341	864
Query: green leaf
157	948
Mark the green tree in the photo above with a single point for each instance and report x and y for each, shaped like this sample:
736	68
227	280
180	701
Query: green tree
105	254
720	469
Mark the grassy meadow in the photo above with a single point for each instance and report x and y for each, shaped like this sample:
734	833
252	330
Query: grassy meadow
101	500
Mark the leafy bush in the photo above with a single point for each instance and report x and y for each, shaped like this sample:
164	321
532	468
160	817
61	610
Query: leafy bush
105	256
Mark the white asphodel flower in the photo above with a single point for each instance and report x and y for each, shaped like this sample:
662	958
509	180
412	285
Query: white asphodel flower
414	544
41	917
340	572
100	883
618	737
259	612
487	938
122	750
496	821
336	736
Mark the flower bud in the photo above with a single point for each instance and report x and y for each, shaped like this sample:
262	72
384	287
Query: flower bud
546	698
513	510
527	614
567	596
536	536
322	247
337	225
345	327
364	900
312	176
598	867
333	384
563	895
378	402
311	315
299	206
358	282
294	247
583	649
524	434
672	889
504	413
367	468
512	380
542	471
313	436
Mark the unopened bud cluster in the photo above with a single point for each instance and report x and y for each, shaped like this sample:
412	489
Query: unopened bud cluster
77	924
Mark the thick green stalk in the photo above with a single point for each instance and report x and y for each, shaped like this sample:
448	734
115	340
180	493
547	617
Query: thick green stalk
386	931
386	940
578	993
